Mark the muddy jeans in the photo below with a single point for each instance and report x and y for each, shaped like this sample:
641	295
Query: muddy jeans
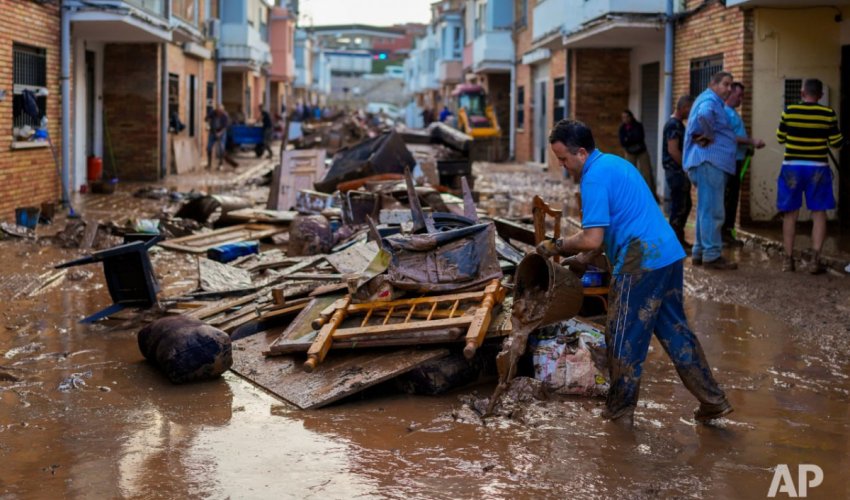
641	304
710	182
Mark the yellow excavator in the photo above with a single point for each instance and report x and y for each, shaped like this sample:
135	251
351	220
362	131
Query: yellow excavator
474	116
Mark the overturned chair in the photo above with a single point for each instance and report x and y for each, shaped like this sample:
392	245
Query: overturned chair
129	276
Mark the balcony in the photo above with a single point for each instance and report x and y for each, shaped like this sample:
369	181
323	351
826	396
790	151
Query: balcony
130	21
567	16
593	9
493	51
450	72
242	46
550	16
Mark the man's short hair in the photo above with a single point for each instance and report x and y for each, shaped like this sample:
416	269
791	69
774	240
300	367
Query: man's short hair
684	101
738	85
813	87
574	135
719	76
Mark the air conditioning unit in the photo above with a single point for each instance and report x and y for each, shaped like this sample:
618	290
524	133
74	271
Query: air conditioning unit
212	29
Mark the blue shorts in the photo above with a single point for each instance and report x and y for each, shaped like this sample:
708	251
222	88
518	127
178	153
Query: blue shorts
815	181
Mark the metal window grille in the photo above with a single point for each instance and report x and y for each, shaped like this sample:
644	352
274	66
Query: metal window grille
29	70
520	107
793	87
560	111
702	70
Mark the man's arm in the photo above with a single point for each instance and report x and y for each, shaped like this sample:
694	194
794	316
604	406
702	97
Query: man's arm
586	240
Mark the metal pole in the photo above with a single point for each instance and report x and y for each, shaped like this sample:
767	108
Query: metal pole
66	103
668	61
512	110
163	126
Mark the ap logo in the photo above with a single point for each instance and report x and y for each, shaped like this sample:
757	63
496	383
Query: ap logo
783	481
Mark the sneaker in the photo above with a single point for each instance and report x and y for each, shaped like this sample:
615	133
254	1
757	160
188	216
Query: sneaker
788	265
816	267
708	412
696	260
721	264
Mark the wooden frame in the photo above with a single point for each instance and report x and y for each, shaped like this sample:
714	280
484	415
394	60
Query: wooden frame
441	312
200	243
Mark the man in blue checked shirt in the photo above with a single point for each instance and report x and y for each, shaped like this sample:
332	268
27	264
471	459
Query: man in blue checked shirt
619	213
709	160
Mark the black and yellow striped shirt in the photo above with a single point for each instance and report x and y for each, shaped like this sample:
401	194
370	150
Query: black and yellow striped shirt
808	130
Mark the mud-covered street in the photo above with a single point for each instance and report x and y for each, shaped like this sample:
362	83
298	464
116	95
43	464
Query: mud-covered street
82	414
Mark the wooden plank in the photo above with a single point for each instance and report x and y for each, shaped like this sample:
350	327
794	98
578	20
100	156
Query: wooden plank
341	375
200	243
418	326
263	215
218	307
89	234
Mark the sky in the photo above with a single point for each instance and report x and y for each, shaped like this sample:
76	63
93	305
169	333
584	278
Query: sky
374	12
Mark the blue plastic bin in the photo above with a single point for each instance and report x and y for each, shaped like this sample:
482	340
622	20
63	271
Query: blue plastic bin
27	216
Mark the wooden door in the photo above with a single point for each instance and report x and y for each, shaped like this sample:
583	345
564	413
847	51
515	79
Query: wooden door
298	170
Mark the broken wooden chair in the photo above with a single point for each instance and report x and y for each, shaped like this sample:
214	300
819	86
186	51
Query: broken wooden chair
541	209
422	314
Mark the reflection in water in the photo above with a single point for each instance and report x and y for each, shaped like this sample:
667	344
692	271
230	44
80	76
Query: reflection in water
129	432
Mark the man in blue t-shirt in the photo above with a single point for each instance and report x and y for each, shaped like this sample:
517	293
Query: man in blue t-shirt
619	212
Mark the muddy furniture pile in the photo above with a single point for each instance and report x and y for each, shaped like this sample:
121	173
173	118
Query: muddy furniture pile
371	266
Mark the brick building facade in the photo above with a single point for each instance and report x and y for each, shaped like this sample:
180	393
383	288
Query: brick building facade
28	175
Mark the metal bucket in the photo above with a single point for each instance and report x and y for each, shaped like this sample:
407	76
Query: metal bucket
540	279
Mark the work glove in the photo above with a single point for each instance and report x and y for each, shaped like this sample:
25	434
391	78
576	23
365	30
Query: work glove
575	265
549	247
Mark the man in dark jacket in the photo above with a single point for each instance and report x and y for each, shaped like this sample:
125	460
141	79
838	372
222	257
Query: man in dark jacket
677	180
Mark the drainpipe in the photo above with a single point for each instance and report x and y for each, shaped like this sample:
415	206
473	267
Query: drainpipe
66	100
512	110
163	126
668	61
218	91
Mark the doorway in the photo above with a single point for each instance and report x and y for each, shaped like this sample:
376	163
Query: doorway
541	121
90	102
193	108
649	100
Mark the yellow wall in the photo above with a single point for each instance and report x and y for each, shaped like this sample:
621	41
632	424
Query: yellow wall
798	43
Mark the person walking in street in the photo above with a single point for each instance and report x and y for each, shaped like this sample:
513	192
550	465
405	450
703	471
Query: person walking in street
807	130
677	179
746	146
268	132
709	160
218	121
634	147
619	213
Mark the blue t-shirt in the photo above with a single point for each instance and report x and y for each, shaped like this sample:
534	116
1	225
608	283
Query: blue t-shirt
738	127
637	236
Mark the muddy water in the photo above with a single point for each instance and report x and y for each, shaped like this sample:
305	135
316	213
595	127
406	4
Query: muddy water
124	431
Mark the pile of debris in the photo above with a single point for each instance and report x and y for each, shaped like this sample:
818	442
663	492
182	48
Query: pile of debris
373	265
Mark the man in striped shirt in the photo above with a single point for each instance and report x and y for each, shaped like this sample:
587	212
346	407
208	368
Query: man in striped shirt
808	130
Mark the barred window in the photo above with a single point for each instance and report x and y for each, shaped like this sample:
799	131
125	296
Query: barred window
29	70
793	87
702	70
